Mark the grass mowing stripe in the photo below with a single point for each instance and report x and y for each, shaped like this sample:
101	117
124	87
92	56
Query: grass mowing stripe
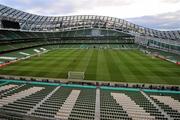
122	68
90	73
156	74
157	65
83	62
35	69
102	68
56	63
78	60
67	66
116	62
57	60
163	72
88	60
49	59
145	66
146	72
98	64
161	64
33	61
114	71
128	61
130	77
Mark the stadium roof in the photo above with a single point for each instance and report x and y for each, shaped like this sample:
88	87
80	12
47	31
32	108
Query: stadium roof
32	22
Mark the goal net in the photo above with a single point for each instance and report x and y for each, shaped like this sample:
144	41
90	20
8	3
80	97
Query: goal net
76	75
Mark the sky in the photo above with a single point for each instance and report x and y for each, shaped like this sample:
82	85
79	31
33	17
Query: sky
156	14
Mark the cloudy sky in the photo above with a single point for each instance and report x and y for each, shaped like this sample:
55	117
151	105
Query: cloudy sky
157	14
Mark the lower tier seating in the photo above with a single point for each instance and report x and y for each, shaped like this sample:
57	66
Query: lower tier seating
22	100
170	103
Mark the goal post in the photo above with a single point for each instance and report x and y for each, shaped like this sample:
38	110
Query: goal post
76	75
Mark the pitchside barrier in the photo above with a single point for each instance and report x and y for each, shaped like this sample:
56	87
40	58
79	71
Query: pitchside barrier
76	75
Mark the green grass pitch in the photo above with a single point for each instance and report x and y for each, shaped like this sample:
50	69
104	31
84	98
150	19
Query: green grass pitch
98	64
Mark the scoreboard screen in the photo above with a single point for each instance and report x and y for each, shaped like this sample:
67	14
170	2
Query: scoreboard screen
10	24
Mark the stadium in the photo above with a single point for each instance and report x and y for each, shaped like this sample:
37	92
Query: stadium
86	67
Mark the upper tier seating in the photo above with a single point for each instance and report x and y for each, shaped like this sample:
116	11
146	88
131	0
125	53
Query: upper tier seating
16	35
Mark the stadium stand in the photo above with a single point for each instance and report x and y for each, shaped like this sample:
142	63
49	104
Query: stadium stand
20	100
168	102
139	102
27	100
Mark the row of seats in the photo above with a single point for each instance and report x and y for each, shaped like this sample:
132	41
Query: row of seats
10	35
146	104
133	110
84	108
51	106
168	102
65	110
133	96
7	87
8	47
25	98
86	46
110	109
6	57
165	54
20	95
75	103
13	46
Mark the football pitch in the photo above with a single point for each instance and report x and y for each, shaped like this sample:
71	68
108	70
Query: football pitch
98	64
